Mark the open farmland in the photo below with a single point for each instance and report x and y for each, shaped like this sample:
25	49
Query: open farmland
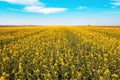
59	53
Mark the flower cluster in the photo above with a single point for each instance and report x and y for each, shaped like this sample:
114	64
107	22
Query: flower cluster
59	53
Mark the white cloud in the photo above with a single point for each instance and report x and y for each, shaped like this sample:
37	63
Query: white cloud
82	7
115	2
35	6
41	9
24	2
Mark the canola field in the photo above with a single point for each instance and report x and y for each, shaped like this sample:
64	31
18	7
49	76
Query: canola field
59	53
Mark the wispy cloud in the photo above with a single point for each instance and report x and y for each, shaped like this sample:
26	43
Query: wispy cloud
36	6
82	7
113	6
115	3
23	2
14	9
118	12
41	9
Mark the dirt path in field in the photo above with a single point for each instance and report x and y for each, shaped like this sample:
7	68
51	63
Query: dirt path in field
73	40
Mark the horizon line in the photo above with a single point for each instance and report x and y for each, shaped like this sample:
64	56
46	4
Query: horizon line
59	25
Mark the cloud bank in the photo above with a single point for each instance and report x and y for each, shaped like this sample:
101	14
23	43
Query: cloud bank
43	10
35	6
22	2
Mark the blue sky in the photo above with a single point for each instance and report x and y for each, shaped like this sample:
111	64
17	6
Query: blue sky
60	12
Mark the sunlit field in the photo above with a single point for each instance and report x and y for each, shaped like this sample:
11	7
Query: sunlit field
59	53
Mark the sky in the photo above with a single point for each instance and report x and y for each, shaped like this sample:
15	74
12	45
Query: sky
59	12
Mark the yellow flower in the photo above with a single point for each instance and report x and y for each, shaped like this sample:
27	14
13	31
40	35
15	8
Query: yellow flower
4	76
44	66
115	76
101	78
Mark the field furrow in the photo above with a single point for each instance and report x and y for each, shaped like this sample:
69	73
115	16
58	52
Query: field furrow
60	53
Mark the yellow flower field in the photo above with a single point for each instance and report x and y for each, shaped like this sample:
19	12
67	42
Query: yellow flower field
59	53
